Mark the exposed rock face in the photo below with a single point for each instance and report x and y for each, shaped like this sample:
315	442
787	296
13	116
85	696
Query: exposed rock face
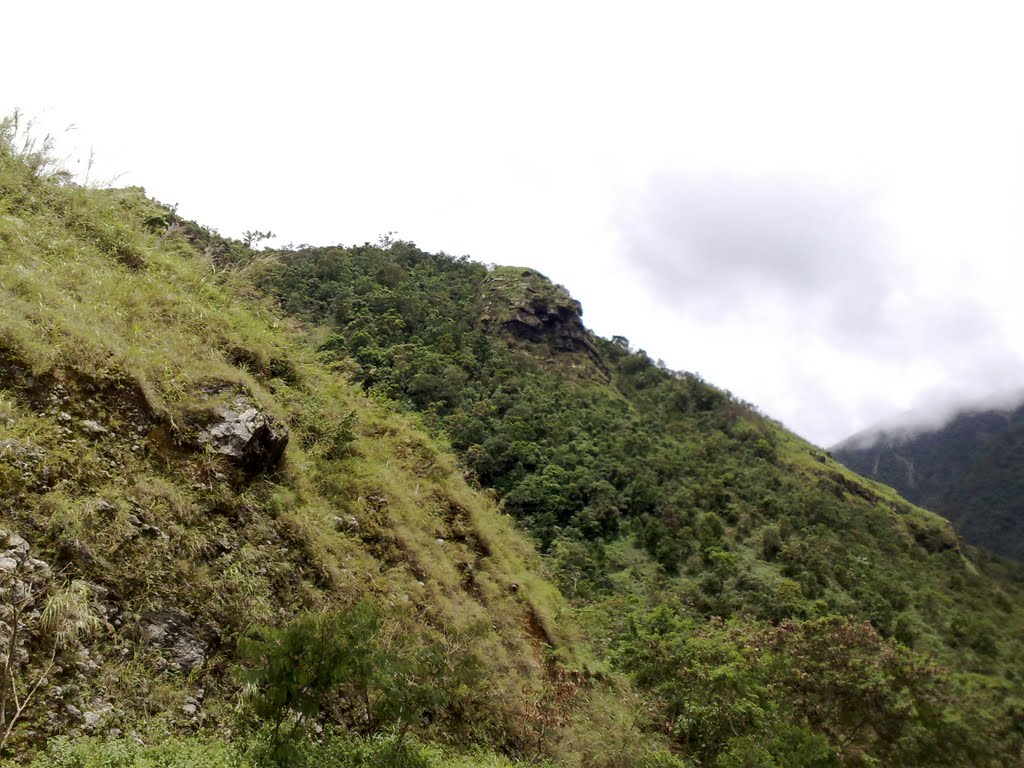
246	434
530	307
15	560
24	581
94	428
173	634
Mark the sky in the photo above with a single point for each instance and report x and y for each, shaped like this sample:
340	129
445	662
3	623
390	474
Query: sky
814	205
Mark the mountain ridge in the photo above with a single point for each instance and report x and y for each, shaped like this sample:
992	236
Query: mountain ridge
126	348
965	470
643	471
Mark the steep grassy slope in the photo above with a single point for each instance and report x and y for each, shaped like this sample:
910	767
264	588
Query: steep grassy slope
968	471
139	547
664	505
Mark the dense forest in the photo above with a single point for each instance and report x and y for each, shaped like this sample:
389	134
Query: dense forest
376	506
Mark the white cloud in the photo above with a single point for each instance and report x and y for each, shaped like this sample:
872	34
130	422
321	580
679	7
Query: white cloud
843	182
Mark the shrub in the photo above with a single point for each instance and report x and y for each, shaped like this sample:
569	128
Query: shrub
340	665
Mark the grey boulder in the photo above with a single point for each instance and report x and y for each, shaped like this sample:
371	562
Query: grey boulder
253	439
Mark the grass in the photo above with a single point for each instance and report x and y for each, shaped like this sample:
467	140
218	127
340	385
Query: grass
207	752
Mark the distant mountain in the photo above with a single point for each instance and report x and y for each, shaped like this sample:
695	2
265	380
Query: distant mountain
970	470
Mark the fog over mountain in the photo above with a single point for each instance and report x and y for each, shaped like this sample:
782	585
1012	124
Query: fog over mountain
805	281
912	424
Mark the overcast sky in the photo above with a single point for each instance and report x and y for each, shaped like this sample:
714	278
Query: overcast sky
814	205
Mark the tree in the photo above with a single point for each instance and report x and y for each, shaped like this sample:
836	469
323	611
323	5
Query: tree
253	236
294	669
349	665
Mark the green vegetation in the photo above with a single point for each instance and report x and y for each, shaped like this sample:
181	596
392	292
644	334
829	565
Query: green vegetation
650	490
815	692
361	588
125	337
343	663
331	749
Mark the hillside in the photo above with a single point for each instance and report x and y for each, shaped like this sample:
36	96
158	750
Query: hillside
663	505
969	470
375	506
188	490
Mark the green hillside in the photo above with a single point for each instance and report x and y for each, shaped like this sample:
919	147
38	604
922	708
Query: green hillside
654	495
374	506
138	551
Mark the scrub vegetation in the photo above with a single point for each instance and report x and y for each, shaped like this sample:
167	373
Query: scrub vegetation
491	539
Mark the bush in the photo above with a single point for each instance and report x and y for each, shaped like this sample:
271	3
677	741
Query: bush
340	665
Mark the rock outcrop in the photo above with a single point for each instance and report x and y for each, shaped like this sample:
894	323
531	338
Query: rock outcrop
529	307
249	436
172	634
15	562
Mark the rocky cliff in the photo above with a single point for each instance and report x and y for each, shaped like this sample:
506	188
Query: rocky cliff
528	307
